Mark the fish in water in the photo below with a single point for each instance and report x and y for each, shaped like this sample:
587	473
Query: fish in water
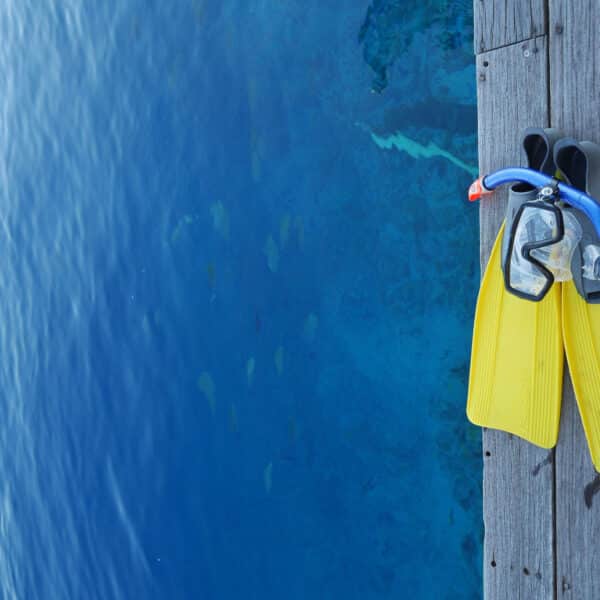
311	323
250	366
268	477
220	219
292	429
257	322
279	360
211	274
272	253
284	230
207	386
181	224
233	419
299	225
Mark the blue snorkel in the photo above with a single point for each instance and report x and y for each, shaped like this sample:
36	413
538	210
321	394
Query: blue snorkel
570	195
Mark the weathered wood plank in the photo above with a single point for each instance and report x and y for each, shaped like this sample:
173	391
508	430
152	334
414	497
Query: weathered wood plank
502	22
518	477
575	90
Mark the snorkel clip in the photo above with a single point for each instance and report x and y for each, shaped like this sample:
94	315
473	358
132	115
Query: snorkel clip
549	192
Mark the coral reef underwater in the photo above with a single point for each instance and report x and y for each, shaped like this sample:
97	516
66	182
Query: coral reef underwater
389	26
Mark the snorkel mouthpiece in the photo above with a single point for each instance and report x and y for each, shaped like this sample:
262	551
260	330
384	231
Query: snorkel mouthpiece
477	189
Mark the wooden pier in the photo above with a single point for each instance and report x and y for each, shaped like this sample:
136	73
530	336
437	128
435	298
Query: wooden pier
538	64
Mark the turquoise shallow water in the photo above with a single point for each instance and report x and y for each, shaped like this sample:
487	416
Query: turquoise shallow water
237	297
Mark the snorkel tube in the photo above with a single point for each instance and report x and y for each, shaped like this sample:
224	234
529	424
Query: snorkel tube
577	199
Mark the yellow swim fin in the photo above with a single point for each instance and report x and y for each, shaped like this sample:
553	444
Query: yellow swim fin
515	380
581	331
579	164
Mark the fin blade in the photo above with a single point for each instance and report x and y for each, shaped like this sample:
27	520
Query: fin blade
581	324
515	381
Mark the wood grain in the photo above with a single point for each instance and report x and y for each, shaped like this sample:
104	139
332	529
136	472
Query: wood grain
575	94
502	22
512	93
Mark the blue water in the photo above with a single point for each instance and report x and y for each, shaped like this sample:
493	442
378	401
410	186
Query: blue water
237	291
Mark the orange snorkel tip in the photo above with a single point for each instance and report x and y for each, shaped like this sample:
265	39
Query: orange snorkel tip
478	189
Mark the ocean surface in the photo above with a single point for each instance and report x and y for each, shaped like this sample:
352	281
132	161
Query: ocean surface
237	286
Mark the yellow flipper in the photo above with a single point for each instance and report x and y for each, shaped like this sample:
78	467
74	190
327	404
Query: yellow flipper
581	330
515	382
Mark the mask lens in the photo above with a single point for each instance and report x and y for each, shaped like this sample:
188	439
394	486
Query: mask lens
538	234
557	256
537	225
526	277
